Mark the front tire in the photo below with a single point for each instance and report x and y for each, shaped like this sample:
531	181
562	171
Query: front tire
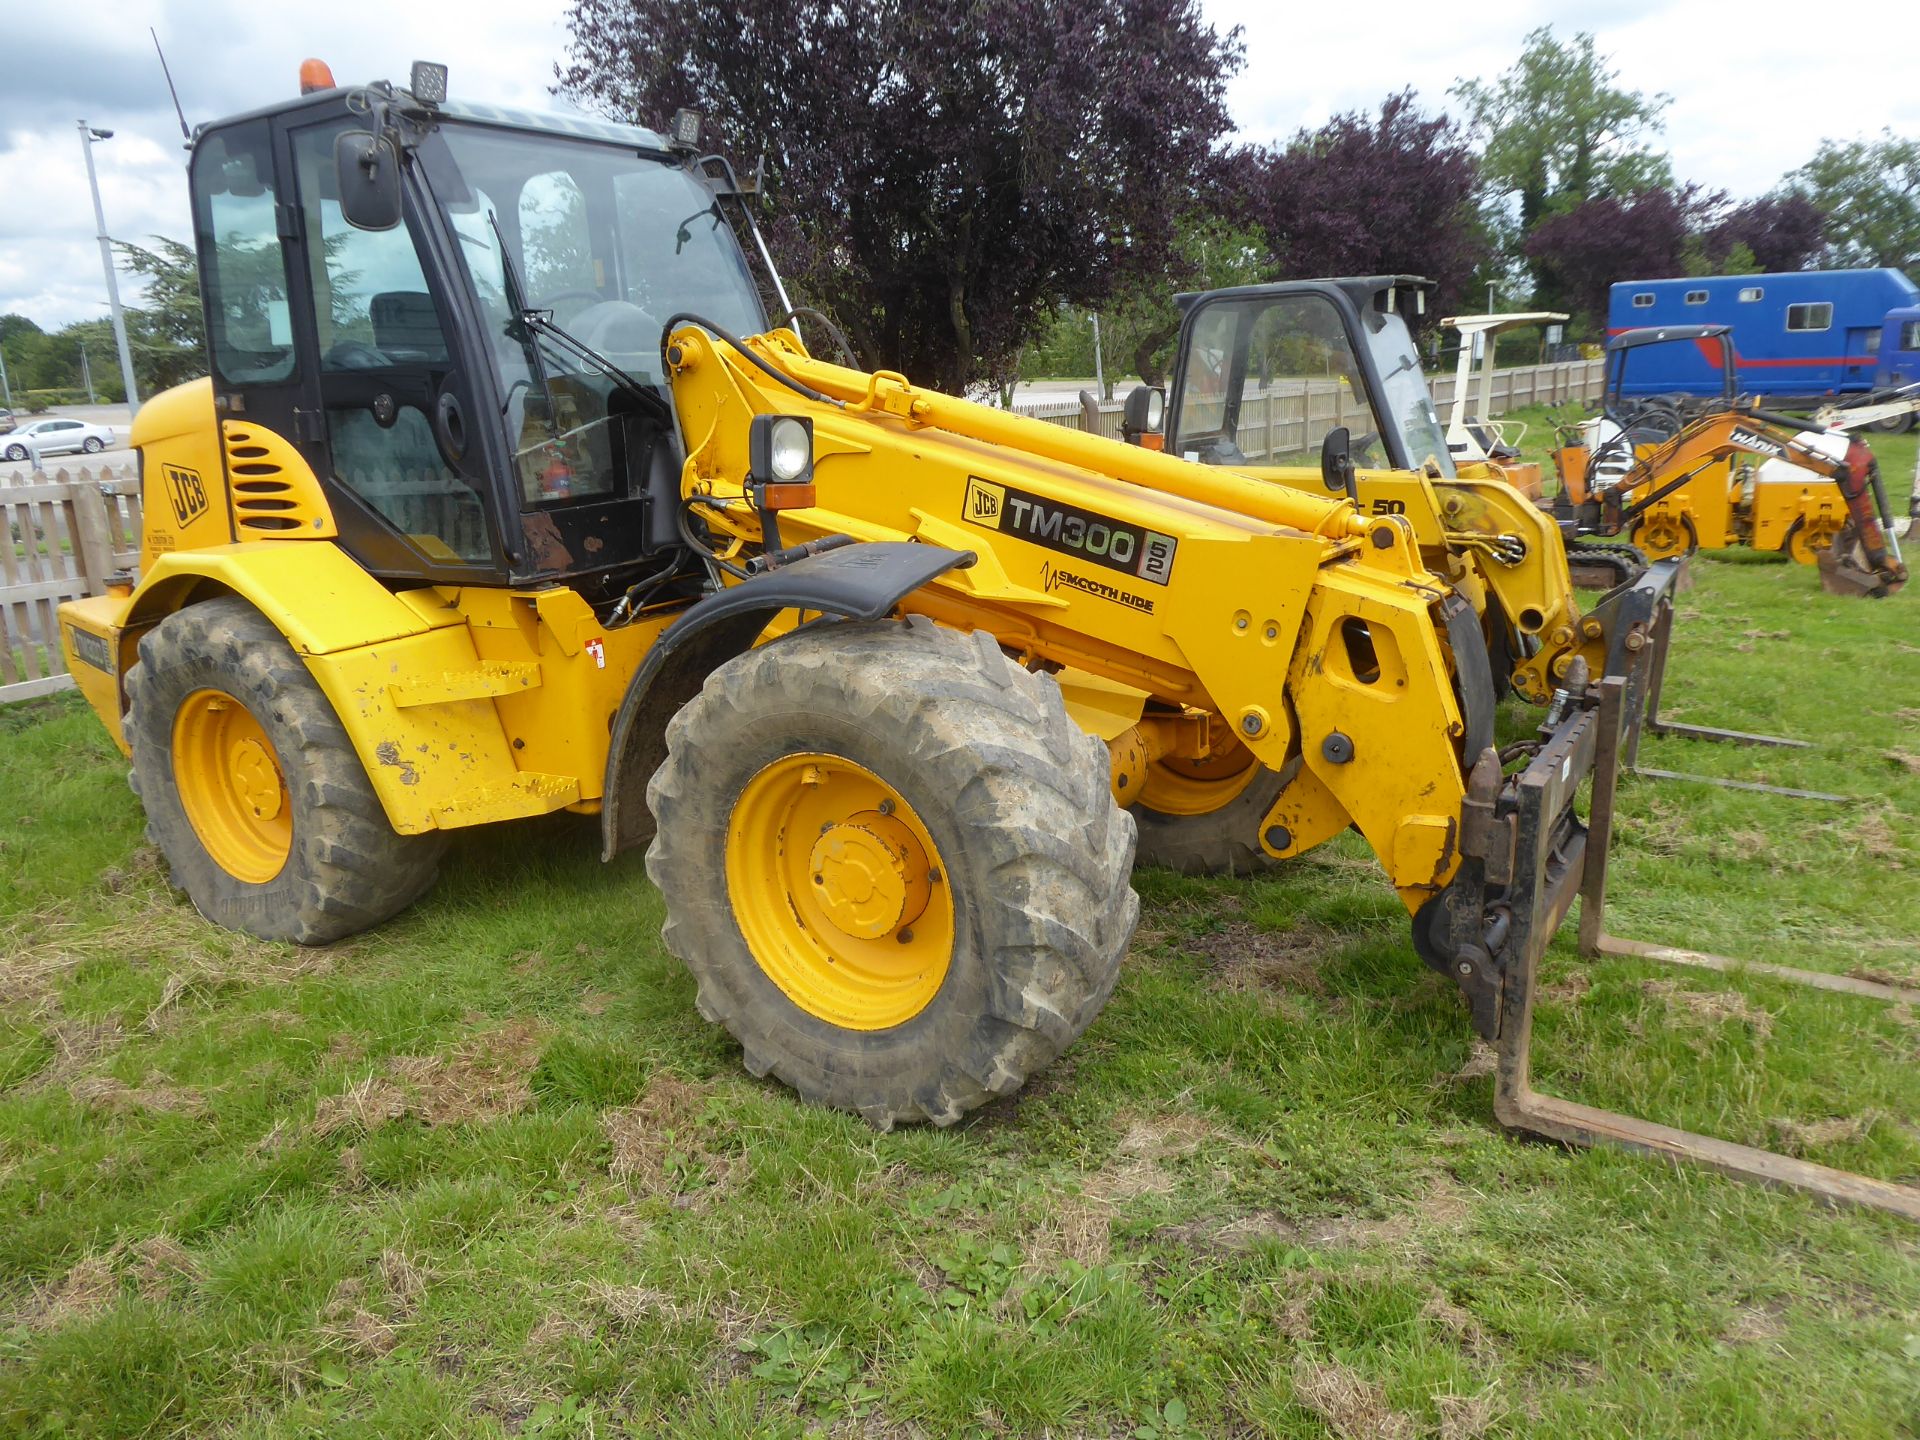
16	452
252	789
893	866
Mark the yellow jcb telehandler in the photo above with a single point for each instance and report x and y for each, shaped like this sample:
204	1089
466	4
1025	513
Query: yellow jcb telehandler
501	474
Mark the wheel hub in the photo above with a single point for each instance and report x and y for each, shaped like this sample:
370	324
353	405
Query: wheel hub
871	875
255	779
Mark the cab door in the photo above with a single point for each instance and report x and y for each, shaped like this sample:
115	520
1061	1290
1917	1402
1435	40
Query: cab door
395	409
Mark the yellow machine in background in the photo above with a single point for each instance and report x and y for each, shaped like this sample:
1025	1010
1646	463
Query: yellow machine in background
1674	479
1482	446
1243	399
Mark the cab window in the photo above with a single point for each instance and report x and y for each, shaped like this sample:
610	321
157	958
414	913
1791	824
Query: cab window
243	266
384	368
1265	382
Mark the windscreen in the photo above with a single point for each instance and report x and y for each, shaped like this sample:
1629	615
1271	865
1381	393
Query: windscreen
611	243
1267	377
1404	395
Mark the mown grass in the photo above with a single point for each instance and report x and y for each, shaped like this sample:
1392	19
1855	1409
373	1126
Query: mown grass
486	1171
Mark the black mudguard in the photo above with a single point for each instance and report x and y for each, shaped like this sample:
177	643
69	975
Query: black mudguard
854	582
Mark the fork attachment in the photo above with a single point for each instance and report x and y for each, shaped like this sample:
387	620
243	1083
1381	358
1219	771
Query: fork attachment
1529	857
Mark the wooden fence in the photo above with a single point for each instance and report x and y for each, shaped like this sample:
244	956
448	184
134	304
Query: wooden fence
1299	401
61	536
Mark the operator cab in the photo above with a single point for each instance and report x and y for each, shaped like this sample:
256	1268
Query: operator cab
466	349
1264	374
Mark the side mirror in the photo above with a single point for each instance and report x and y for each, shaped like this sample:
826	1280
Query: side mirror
1142	416
1336	463
367	170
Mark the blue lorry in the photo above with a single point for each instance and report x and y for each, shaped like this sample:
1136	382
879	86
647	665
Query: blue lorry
1801	337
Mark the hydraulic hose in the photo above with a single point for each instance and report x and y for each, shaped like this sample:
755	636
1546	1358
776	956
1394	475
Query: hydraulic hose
687	317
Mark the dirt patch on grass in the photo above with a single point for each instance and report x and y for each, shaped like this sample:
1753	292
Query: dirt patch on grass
362	1107
1352	1408
1250	961
1904	760
1139	1165
1800	1136
1072	1229
76	1045
155	1094
1467	1417
161	1263
85	1291
1757	1324
657	1145
1874	834
483	1078
1233	1236
1710	1009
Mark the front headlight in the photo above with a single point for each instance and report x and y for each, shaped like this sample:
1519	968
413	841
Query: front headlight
789	449
780	450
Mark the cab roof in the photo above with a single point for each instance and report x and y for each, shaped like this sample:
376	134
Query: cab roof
533	122
1659	334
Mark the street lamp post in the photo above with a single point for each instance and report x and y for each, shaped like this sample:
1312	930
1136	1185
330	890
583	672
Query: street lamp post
88	134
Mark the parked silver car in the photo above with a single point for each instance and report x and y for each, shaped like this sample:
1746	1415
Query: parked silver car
57	437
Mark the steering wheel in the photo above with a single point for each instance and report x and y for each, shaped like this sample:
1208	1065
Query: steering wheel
592	297
353	355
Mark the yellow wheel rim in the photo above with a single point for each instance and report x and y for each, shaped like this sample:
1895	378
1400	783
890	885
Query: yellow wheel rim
839	892
1809	538
231	786
1661	537
1179	786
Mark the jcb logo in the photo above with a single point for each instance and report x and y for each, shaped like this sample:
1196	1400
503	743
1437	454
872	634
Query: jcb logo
188	493
984	500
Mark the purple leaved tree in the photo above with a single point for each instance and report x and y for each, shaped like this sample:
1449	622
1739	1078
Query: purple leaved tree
1367	196
1579	254
944	174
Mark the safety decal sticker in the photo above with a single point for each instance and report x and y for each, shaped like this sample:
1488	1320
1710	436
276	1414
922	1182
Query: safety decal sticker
1070	530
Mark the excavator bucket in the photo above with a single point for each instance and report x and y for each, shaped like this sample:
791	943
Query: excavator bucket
1574	861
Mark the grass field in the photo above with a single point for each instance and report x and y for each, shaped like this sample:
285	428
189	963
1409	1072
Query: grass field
486	1172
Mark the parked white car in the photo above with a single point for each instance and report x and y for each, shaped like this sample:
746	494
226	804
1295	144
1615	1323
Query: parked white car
57	437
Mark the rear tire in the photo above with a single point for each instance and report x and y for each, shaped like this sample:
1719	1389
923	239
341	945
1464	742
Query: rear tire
1023	837
344	869
92	445
1225	841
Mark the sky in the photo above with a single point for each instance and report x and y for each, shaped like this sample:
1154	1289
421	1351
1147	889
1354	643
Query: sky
1749	103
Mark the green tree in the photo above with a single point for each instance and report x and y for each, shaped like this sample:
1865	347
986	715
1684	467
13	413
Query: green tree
1870	190
1559	130
165	333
